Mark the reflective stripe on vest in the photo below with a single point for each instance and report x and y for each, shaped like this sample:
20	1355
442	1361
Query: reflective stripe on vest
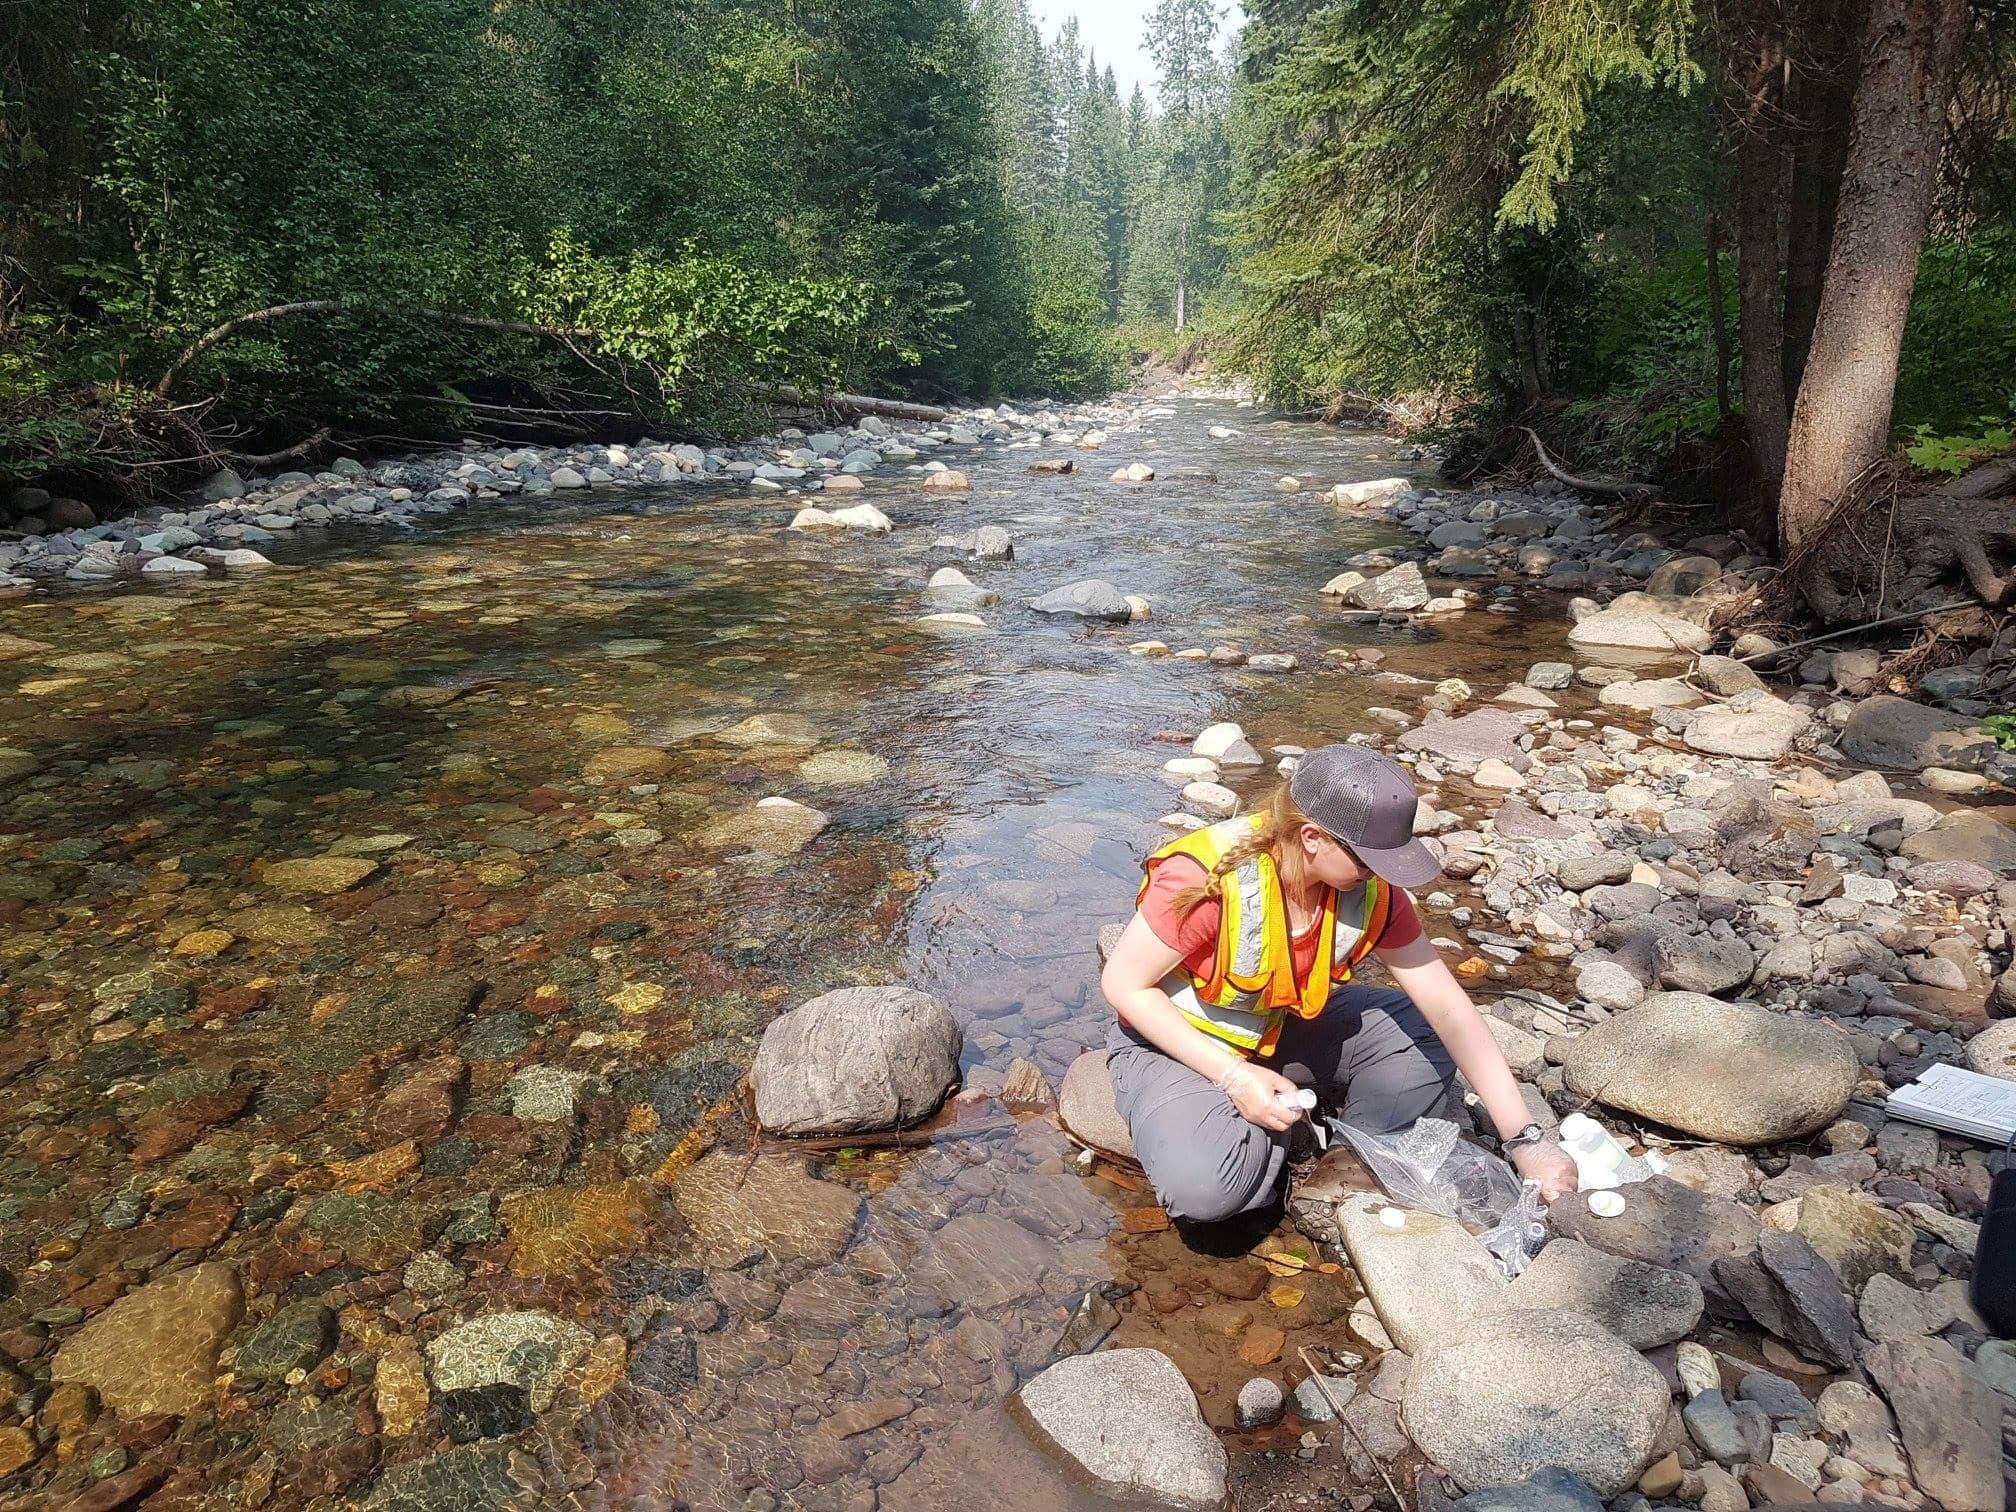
1252	988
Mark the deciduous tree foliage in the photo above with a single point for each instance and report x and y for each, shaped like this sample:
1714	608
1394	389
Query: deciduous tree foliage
824	193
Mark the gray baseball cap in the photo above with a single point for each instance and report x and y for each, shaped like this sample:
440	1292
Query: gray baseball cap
1367	801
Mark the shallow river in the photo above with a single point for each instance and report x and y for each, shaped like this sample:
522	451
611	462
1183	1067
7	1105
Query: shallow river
501	739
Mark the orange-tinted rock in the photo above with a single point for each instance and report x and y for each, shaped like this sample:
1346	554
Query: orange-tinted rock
1262	1344
1242	1282
422	1106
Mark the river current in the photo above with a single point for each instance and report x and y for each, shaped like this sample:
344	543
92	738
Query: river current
394	926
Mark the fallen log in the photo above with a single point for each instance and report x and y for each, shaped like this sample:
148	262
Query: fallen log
1587	485
854	404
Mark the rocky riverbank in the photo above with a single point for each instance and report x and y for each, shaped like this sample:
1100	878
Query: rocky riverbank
45	539
1764	911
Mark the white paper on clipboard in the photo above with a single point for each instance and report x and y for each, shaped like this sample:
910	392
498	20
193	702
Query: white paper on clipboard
1959	1102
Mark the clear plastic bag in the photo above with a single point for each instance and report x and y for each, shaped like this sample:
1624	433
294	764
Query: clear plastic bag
1433	1168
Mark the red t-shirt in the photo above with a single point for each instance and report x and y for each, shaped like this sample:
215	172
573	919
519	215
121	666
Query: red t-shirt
1195	934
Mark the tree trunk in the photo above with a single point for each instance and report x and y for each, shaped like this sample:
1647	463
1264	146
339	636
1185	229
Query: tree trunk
1821	106
1754	129
1180	315
1841	421
1718	322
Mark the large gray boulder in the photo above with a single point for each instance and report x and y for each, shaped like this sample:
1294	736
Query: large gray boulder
1090	598
1644	1305
1896	733
1085	1106
1754	725
1513	1393
859	1059
1639	628
1726	1071
1129	1417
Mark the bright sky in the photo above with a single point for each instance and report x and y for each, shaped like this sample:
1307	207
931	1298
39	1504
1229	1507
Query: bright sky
1113	30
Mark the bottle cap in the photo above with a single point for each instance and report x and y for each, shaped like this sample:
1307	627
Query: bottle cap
1392	1217
1606	1204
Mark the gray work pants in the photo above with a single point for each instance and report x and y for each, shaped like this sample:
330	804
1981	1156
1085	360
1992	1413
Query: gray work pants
1370	1055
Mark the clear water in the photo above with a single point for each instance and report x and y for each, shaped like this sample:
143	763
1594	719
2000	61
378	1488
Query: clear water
515	715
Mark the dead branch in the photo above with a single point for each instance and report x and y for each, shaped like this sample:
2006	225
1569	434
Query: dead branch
1587	485
1876	624
285	454
231	327
852	404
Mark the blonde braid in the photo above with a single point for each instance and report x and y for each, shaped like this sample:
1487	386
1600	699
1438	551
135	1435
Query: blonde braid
1279	819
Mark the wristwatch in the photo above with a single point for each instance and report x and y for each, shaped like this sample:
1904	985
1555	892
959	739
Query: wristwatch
1532	1134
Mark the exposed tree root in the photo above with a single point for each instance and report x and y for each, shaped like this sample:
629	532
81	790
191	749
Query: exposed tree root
1888	552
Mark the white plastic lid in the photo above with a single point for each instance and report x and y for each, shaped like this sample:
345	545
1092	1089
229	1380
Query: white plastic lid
1606	1204
1392	1217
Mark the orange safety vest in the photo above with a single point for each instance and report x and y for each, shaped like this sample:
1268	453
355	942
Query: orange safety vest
1251	987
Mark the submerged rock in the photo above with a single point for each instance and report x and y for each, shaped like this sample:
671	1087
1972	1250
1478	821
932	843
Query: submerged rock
1726	1071
316	876
773	1207
529	1350
859	1059
155	1349
1129	1417
1090	598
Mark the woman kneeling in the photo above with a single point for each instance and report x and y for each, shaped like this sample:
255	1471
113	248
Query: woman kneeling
1237	970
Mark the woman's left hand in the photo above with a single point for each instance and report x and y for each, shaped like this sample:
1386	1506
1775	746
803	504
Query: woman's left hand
1549	1165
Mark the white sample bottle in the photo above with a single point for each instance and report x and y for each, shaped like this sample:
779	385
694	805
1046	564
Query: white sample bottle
1301	1100
1600	1161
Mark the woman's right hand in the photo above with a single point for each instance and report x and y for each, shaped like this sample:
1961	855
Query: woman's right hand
1256	1093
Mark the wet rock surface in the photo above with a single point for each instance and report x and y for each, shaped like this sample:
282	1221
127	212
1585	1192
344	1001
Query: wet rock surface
1129	1418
